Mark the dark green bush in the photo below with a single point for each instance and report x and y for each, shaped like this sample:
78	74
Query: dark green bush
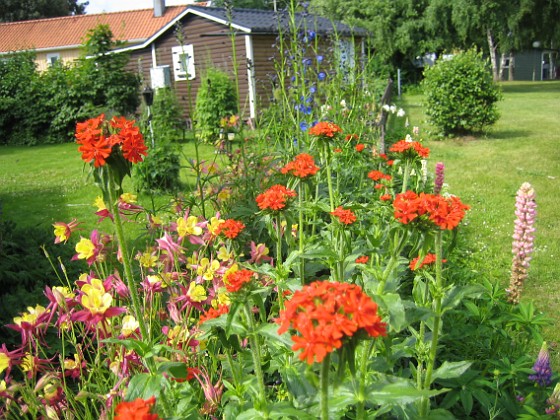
461	97
215	100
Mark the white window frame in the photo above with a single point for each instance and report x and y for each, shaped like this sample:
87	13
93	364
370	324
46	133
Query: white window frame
50	57
183	62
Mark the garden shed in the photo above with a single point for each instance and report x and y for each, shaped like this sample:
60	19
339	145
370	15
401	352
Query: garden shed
536	64
241	39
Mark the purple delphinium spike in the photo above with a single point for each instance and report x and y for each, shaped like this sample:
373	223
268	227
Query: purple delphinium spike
438	182
543	371
523	238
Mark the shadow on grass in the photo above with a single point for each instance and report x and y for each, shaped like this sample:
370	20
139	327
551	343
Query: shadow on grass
531	87
511	134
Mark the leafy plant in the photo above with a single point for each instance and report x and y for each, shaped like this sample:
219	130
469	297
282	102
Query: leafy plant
461	96
216	99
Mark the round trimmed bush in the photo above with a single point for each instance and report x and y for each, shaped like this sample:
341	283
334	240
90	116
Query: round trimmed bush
461	96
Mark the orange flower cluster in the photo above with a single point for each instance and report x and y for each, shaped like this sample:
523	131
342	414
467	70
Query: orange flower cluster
360	147
275	198
97	145
325	129
345	216
324	314
213	313
302	166
235	281
403	146
138	409
444	212
416	264
378	176
230	228
362	260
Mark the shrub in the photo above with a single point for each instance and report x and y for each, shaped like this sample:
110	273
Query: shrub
460	94
215	100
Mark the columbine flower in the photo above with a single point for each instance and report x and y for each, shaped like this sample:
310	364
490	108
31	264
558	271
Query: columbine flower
259	253
438	182
92	249
62	231
138	409
97	304
344	216
30	323
523	238
325	313
275	198
302	166
325	129
543	372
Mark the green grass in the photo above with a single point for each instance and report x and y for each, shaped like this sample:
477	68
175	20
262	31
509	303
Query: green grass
486	173
45	184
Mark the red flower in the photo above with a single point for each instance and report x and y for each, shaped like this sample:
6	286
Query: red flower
337	150
138	409
351	137
378	175
386	197
410	148
324	314
96	144
416	264
275	198
345	216
325	129
359	147
302	166
362	260
213	313
235	281
443	212
230	228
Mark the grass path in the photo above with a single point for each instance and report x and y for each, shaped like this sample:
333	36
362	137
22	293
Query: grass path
486	173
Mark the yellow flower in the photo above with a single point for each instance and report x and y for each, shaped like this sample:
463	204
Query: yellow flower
61	293
60	231
95	299
188	227
31	316
129	198
100	204
196	292
224	255
224	194
129	325
229	271
27	363
214	224
85	249
2	386
207	269
71	364
221	299
147	260
4	362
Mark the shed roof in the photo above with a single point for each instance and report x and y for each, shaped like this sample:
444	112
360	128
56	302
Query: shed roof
134	26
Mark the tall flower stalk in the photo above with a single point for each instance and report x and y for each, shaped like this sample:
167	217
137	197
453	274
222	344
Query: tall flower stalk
523	239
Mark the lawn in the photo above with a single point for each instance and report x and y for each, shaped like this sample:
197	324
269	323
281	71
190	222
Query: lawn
486	173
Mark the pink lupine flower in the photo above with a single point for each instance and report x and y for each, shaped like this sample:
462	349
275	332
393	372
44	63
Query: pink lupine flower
523	238
438	182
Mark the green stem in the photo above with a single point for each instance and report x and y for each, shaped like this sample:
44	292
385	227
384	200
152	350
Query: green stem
300	228
325	367
256	355
113	205
329	177
278	242
406	175
360	409
438	298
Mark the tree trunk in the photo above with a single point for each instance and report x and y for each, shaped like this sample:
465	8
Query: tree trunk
511	67
502	65
493	54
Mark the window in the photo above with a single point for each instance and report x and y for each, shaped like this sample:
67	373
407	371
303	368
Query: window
52	58
183	62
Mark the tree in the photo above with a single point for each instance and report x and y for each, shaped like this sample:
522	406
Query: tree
17	10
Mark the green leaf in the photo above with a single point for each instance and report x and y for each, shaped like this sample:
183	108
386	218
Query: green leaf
393	304
283	410
145	385
449	370
271	331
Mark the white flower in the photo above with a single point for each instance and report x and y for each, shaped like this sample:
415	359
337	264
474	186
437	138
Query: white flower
343	103
408	139
386	107
393	109
400	112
